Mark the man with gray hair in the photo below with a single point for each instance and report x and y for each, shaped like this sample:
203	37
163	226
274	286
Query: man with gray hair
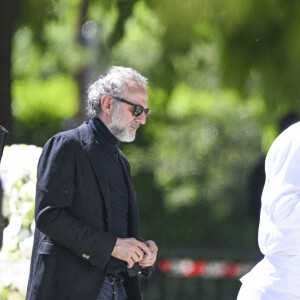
86	243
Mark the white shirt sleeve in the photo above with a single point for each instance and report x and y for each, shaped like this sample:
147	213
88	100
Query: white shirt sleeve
280	212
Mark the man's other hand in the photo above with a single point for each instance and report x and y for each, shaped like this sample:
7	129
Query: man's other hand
149	259
131	251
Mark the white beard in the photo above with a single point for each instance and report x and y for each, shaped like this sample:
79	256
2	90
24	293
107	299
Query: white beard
117	128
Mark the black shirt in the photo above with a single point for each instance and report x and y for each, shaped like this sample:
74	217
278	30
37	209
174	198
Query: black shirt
118	189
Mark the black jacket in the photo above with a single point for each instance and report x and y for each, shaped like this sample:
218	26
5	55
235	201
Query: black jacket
72	242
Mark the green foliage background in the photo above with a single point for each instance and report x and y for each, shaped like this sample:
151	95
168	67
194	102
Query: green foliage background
222	75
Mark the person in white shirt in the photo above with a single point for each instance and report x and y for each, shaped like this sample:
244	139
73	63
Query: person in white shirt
277	275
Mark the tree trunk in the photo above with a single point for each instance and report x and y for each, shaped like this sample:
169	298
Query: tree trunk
81	75
9	10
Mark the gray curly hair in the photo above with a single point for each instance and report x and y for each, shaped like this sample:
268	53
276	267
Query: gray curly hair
113	83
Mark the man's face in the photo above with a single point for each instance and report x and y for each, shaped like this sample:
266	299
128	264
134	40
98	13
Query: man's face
123	122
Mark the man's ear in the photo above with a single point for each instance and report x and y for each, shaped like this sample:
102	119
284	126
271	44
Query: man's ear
107	104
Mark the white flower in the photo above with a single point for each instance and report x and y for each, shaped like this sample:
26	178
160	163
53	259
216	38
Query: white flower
18	175
27	191
32	227
26	246
14	226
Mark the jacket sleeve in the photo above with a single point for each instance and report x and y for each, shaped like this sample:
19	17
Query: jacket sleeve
56	187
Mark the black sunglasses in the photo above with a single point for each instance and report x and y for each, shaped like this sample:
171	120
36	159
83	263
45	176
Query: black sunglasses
138	109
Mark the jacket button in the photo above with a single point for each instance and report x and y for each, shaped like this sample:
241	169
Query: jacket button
85	256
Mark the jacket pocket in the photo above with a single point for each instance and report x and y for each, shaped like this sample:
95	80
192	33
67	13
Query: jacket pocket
55	273
55	250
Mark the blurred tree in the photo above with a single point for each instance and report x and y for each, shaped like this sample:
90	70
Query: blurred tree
63	38
9	11
202	139
85	28
257	40
81	75
45	59
221	75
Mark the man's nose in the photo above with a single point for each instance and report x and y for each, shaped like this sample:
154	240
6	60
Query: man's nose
141	118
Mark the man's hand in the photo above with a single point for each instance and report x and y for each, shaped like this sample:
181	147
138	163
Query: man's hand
149	259
131	251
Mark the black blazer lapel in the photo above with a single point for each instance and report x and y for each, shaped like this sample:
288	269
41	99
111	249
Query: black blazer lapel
133	217
94	155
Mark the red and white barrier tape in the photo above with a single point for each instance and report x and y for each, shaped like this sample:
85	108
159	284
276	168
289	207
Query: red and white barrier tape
190	268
